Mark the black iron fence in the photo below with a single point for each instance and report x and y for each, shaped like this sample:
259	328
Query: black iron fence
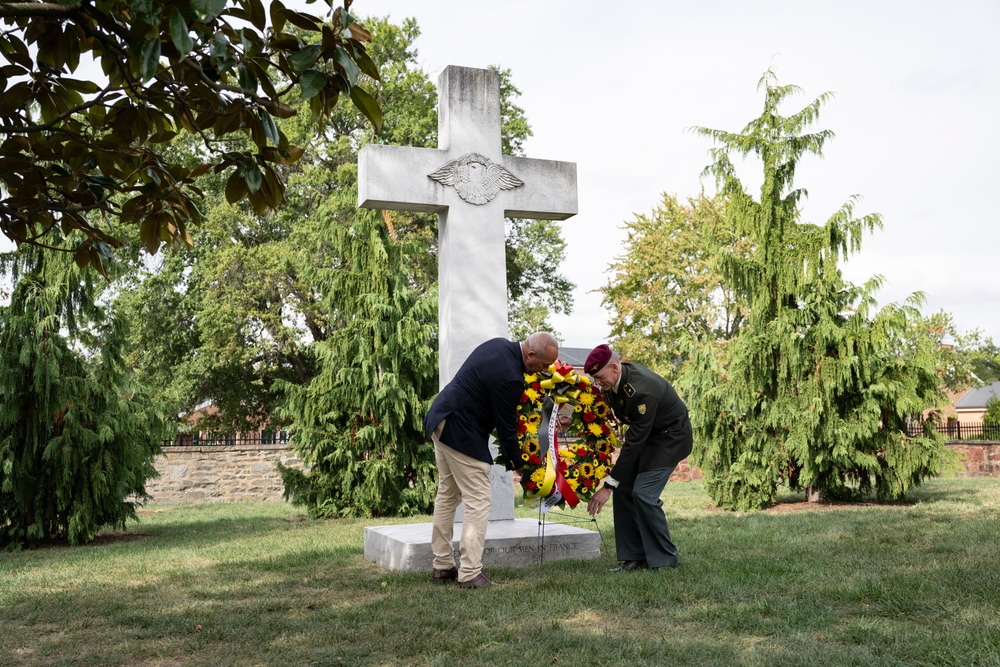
964	431
227	439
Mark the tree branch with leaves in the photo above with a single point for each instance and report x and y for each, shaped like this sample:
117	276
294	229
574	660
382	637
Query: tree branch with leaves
86	153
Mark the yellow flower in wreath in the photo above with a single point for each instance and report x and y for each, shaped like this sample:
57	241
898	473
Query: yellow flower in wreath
594	428
567	455
587	399
534	418
539	475
600	409
586	470
532	447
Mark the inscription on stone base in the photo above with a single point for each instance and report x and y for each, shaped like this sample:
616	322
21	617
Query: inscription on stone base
407	548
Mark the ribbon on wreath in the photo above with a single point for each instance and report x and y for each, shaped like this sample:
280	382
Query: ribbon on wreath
554	487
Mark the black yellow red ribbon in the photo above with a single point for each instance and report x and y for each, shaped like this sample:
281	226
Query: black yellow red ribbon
550	452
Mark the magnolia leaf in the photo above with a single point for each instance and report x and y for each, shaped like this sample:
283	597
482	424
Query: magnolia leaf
221	54
144	11
258	17
82	255
236	187
367	105
305	58
304	21
350	68
208	9
365	62
248	81
270	129
149	58
86	87
277	11
254	179
358	33
281	110
312	81
179	34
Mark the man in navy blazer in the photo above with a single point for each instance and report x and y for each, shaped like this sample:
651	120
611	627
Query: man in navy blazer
482	396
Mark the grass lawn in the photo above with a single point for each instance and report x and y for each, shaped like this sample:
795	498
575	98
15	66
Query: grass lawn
261	584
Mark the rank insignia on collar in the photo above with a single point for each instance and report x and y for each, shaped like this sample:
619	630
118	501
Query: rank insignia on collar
642	409
629	390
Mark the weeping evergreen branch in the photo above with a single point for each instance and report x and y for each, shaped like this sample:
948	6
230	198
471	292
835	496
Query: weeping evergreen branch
818	388
358	422
77	436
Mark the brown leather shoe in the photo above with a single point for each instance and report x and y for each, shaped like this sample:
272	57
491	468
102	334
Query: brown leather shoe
444	576
481	581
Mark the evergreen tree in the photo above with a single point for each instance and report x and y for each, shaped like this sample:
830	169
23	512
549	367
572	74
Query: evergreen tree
77	437
816	390
359	422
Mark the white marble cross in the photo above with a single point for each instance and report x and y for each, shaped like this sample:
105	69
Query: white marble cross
472	187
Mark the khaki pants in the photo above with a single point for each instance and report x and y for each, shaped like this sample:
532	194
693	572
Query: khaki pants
460	477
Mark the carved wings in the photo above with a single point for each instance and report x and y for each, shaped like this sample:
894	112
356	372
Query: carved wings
476	179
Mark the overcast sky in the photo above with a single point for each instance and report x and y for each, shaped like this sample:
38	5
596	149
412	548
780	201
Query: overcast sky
615	86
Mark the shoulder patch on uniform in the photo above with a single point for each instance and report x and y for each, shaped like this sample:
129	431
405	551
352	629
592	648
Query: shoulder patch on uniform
629	390
642	409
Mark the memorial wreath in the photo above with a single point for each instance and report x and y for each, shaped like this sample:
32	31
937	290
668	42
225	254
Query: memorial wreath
563	464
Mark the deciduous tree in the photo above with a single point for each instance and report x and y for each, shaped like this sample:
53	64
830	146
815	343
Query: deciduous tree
665	285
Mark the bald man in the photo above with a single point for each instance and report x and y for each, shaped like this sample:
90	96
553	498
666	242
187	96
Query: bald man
482	396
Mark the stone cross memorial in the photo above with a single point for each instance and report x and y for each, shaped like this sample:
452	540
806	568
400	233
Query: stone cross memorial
473	188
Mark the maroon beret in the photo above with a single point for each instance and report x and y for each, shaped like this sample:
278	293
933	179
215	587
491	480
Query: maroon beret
597	359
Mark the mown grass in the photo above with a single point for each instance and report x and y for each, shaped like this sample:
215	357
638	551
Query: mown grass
259	584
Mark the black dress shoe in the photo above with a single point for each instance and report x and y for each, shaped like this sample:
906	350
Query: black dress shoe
482	581
442	576
630	565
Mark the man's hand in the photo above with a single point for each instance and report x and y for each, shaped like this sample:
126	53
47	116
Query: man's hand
598	500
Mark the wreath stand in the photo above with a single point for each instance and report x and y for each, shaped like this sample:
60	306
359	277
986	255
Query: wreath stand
542	522
550	426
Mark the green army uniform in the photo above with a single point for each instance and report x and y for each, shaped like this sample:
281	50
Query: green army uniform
659	437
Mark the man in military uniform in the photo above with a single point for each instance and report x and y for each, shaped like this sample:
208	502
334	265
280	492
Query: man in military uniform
658	438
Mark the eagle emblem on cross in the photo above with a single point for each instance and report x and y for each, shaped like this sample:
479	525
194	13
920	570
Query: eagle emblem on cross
476	178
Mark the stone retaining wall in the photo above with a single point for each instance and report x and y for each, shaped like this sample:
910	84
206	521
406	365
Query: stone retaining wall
981	459
227	474
220	474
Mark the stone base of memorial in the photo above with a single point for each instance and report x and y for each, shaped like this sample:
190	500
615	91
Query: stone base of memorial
515	542
509	541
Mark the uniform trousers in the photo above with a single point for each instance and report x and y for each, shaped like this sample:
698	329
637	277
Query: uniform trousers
460	477
641	531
